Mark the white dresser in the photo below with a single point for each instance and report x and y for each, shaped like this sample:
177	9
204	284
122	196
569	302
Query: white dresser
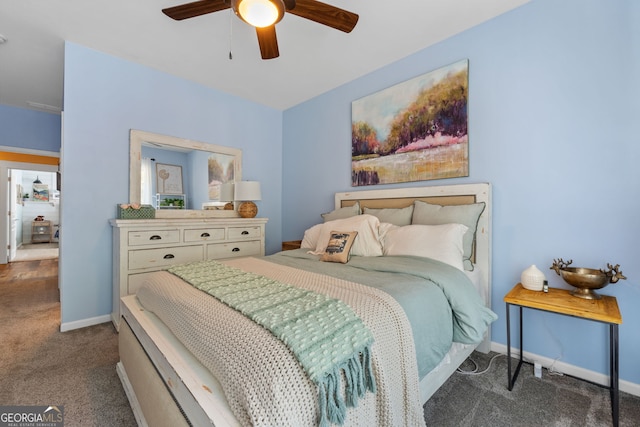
143	246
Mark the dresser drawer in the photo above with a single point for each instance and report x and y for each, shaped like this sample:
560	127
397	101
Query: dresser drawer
235	249
162	257
153	237
244	233
203	234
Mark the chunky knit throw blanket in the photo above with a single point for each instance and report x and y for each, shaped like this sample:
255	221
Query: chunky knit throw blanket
263	382
324	333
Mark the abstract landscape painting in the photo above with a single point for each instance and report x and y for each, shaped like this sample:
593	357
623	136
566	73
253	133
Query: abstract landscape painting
413	131
221	169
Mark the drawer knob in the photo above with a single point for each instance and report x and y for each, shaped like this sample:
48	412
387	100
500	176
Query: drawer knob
245	232
155	237
205	235
169	256
235	250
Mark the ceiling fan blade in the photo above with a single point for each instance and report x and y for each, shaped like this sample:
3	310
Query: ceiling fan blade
325	14
196	8
268	42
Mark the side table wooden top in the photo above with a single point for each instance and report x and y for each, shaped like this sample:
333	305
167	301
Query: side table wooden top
561	301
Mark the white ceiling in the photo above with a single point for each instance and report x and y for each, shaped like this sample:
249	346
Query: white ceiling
313	58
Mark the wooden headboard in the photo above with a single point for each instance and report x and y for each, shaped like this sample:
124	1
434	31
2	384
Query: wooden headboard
460	194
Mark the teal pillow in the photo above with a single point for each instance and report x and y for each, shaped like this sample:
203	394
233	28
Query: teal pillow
429	214
395	216
342	213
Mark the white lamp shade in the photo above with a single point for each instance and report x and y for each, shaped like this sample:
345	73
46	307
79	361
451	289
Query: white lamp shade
247	190
226	192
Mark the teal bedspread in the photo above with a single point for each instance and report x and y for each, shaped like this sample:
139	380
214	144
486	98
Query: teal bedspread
440	301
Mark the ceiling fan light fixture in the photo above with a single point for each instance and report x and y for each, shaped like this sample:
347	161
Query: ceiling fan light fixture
259	13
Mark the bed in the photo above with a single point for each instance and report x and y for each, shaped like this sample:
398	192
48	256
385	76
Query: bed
169	381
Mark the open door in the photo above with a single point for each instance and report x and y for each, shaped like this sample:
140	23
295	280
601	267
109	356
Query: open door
14	196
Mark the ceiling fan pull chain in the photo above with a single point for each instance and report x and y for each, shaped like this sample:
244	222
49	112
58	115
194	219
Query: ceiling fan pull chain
230	32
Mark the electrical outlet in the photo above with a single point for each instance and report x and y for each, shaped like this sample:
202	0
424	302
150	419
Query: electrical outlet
537	369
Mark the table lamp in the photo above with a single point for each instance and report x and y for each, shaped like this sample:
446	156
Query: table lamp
227	195
246	192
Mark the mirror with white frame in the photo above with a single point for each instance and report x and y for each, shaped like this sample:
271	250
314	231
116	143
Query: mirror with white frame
204	167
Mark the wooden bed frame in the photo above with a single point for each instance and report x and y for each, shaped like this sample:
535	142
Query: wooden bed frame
165	383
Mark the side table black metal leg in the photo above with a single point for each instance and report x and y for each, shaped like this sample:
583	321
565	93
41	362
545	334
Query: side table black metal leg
508	347
511	381
614	372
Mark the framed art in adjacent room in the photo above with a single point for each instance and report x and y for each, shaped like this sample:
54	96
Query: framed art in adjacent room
413	131
41	192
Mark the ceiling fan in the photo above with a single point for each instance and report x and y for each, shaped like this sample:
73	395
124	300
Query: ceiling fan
265	14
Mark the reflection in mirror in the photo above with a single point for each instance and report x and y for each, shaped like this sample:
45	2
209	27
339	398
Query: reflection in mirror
221	170
204	168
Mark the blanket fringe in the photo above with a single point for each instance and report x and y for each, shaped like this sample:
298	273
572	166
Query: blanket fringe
359	377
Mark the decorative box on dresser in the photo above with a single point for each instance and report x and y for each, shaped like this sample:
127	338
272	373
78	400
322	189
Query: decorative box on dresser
144	246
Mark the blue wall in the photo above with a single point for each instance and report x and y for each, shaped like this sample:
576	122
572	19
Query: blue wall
553	96
34	130
105	97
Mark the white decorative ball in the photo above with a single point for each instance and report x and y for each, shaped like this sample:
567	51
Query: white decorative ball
532	278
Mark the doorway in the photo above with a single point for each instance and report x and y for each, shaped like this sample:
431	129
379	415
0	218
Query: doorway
12	191
34	206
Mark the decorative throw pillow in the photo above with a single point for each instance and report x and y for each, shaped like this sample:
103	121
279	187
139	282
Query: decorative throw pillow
439	242
342	213
429	214
395	216
339	247
366	244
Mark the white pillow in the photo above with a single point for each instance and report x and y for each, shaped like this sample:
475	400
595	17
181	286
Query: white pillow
428	214
440	242
367	243
310	239
383	229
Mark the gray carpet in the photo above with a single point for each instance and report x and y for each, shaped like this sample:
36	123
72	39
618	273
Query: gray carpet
76	369
42	366
559	401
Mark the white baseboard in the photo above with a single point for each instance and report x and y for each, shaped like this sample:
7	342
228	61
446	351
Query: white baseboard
566	368
83	323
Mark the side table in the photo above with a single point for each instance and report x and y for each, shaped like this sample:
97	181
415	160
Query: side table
41	232
604	310
291	244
